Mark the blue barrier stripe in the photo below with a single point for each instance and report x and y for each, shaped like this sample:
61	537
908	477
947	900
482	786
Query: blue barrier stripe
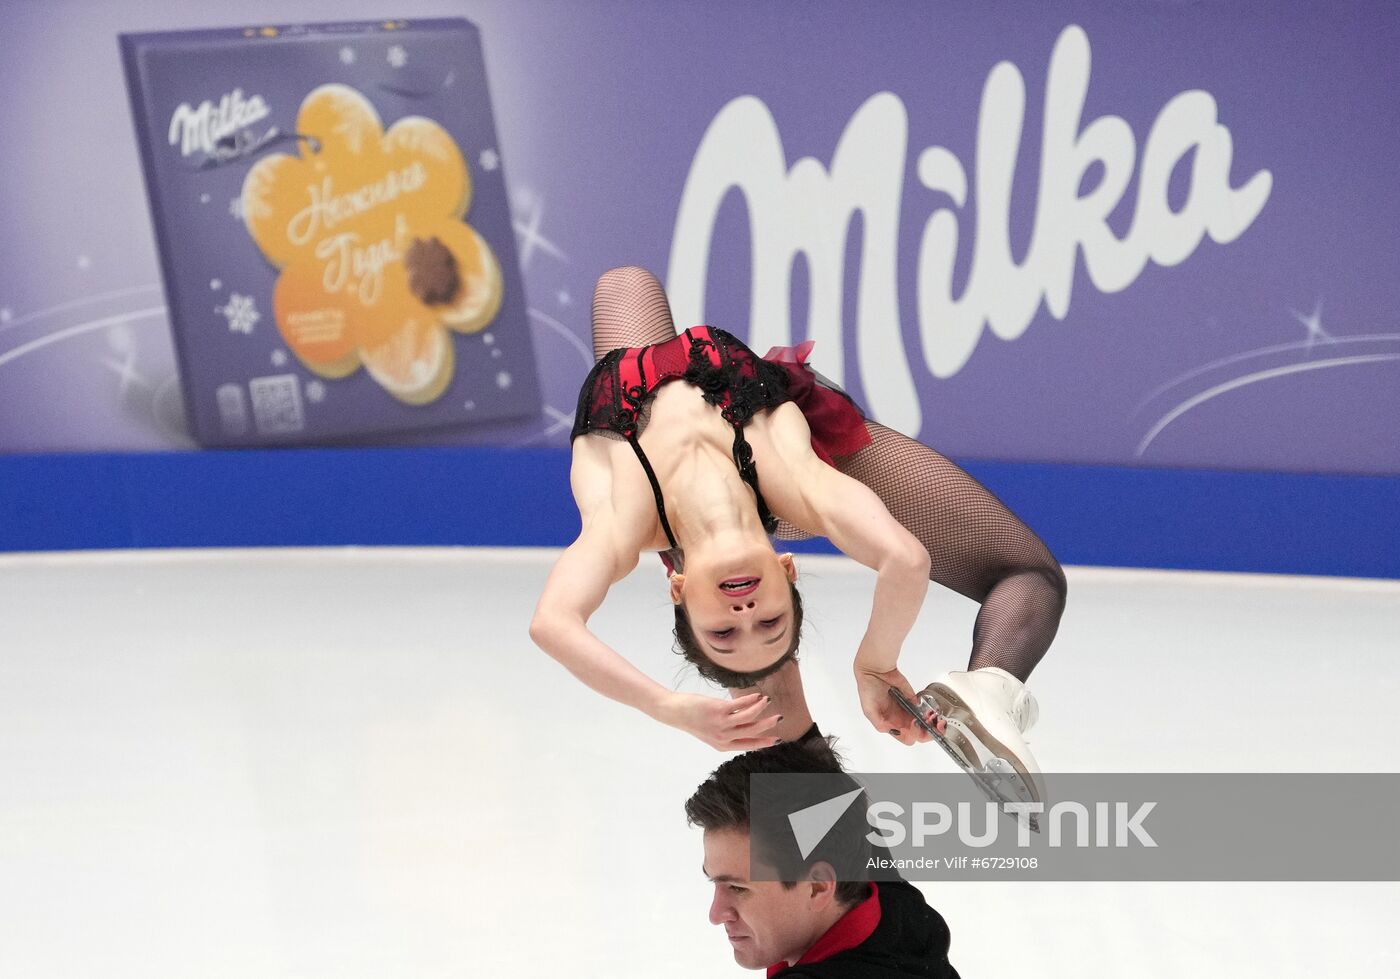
1156	518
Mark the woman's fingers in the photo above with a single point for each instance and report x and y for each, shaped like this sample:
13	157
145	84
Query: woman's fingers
746	701
905	734
747	728
902	684
900	725
760	726
748	713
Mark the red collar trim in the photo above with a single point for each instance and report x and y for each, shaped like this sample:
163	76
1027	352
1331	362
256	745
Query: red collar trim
854	927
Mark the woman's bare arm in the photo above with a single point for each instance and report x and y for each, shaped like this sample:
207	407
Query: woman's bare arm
574	590
821	499
854	519
803	489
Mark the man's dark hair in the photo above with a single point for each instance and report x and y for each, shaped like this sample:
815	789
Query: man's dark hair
722	802
689	647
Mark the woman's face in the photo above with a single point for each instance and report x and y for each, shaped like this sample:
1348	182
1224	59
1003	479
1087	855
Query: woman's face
739	606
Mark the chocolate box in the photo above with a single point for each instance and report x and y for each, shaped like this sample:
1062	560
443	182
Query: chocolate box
335	236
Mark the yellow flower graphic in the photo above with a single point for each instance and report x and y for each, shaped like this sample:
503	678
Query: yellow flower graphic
376	262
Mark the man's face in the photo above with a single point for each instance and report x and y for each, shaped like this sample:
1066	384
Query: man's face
764	921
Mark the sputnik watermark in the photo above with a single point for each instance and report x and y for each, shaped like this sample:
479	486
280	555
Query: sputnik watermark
1070	823
1111	825
1090	826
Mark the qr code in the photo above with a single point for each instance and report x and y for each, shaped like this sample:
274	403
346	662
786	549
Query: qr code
277	404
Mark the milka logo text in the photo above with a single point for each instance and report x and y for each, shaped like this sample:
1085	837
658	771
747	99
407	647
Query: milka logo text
808	209
200	130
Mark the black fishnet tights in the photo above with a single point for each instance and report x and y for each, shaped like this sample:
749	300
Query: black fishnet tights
977	547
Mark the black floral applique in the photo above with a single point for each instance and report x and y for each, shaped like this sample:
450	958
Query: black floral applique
712	379
748	383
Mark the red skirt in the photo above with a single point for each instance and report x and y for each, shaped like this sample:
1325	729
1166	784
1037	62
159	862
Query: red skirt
837	423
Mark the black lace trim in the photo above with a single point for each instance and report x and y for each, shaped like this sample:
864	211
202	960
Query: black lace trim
749	393
602	403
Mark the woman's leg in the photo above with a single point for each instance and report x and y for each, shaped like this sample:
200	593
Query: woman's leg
977	547
629	310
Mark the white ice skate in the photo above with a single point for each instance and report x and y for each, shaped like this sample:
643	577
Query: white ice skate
988	712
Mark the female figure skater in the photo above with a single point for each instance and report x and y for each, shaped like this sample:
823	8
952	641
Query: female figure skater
694	446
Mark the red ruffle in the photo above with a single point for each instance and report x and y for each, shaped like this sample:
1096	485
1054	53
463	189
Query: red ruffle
838	427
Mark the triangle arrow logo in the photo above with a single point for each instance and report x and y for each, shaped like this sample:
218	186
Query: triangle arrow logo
810	825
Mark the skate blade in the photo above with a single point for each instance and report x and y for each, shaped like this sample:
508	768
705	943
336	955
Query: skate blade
1000	780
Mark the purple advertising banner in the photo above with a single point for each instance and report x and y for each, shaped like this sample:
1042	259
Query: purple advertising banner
1152	234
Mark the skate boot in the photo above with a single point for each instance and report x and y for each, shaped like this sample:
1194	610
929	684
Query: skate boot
988	712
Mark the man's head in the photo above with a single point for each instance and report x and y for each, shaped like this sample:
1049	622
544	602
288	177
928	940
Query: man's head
767	921
739	618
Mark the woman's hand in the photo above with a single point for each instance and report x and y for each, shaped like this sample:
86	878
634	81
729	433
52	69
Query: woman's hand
727	725
884	711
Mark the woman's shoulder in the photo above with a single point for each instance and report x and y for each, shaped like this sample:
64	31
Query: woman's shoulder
609	487
591	467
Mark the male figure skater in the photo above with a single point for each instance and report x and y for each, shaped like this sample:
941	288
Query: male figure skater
812	925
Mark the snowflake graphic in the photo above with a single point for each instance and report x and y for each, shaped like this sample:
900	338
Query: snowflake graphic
6	315
84	262
489	160
1313	324
279	357
398	57
215	285
315	392
347	56
564	297
204	198
241	313
235	208
127	373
